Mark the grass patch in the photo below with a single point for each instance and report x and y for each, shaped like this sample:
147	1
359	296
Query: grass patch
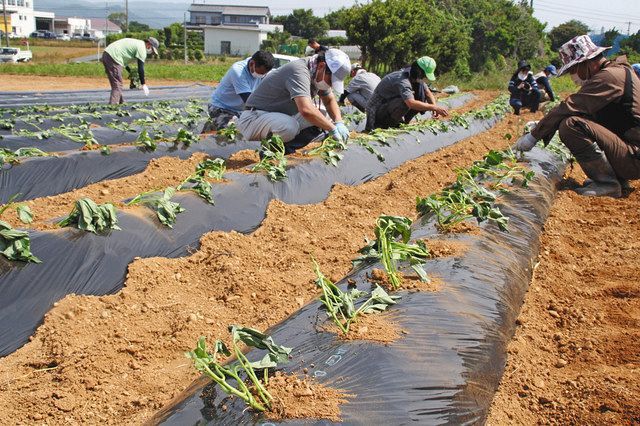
174	70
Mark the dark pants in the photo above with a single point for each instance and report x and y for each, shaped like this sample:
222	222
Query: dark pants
530	100
219	118
578	134
114	73
393	113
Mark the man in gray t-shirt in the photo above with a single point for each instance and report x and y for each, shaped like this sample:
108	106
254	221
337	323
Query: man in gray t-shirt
360	88
282	104
403	94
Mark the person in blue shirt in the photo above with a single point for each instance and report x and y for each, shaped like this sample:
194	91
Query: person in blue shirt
636	68
239	82
543	77
524	89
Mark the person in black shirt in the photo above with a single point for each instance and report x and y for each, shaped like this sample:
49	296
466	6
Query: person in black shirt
524	89
542	78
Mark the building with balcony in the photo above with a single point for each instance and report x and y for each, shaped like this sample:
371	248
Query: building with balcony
217	14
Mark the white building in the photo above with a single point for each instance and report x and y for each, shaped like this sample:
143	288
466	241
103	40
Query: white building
71	26
22	20
236	40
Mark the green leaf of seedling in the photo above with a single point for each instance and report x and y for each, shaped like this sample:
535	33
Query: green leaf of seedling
24	213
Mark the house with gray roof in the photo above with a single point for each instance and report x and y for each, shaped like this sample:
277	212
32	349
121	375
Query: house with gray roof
218	14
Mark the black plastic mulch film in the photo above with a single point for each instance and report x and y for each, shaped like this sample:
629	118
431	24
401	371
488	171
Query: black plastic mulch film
75	261
447	366
45	176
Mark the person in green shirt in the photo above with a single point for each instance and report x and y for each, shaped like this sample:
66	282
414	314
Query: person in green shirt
119	54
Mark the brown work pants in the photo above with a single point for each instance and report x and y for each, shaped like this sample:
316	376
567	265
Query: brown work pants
578	134
114	73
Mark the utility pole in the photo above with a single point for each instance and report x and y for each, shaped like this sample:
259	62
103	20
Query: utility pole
126	15
6	27
629	28
186	57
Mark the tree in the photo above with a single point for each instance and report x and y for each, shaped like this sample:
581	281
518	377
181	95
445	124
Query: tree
137	27
120	19
302	23
564	32
631	44
392	34
498	29
335	19
609	37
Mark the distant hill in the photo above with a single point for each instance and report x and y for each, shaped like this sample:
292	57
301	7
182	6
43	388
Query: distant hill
154	14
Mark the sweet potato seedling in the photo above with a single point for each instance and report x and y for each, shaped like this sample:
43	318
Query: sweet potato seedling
15	244
230	132
386	249
272	159
341	306
212	168
91	217
245	383
329	151
165	209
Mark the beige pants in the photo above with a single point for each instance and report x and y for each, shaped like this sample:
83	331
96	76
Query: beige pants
258	125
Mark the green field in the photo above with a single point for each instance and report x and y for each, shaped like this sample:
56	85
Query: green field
175	70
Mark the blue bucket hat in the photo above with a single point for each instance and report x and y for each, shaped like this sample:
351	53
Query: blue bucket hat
551	70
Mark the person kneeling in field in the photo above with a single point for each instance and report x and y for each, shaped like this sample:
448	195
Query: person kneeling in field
283	103
238	83
401	95
600	123
118	54
360	88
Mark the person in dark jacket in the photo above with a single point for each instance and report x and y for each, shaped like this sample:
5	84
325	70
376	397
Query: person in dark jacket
600	124
543	77
524	89
401	95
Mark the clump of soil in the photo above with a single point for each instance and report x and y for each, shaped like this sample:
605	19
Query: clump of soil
373	327
243	158
295	398
446	248
409	282
462	228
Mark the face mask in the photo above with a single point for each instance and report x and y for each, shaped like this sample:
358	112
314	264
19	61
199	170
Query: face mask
149	51
576	79
322	85
523	75
256	75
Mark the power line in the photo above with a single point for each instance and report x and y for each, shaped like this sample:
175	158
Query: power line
583	16
568	9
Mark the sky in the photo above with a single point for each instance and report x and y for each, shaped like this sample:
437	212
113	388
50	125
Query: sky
595	13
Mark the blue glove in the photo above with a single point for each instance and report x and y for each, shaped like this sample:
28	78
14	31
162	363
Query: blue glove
336	135
343	130
526	143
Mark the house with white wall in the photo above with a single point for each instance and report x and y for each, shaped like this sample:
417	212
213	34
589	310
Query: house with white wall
22	19
236	40
70	25
201	14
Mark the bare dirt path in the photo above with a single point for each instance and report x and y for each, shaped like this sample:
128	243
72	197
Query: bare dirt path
117	359
575	357
29	83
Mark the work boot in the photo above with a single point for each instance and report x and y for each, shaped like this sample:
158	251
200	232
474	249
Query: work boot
302	139
624	184
604	182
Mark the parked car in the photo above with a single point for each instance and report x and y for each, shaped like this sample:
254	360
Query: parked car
42	34
14	35
63	37
281	60
14	54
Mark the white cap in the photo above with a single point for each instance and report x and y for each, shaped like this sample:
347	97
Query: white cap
340	67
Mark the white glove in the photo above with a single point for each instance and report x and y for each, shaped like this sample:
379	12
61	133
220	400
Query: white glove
526	143
145	89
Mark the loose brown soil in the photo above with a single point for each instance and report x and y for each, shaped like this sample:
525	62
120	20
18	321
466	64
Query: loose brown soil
159	174
295	398
445	248
575	357
32	83
379	328
118	358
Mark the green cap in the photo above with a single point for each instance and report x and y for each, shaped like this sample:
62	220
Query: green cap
428	65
